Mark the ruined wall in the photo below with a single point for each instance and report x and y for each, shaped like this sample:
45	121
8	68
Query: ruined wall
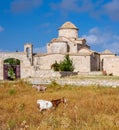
81	63
102	56
44	62
26	69
111	65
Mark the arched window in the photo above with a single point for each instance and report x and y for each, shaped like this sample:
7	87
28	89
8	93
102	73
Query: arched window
28	52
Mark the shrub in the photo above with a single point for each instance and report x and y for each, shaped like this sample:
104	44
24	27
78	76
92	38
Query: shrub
56	66
12	91
11	73
11	124
65	65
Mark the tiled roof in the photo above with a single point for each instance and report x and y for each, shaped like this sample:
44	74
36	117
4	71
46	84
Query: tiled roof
68	25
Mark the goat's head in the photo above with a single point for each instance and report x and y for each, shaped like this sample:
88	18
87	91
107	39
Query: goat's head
64	100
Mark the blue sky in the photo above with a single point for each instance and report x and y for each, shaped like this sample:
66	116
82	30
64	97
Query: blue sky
37	21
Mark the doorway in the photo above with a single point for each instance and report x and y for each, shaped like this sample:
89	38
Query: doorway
11	69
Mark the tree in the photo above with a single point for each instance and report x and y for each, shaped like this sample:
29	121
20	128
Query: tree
12	61
11	73
55	66
65	65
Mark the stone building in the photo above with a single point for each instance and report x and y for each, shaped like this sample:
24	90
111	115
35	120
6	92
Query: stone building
37	64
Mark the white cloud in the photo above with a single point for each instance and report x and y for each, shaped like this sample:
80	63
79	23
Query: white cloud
116	37
97	36
112	9
94	30
18	6
66	6
104	39
91	39
114	47
93	8
1	29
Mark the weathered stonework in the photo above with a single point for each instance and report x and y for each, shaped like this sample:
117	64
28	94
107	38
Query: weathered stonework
111	65
25	66
84	59
67	41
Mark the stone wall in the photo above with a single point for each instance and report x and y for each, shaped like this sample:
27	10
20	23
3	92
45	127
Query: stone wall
79	81
81	63
26	69
52	74
111	65
44	62
57	47
71	33
102	56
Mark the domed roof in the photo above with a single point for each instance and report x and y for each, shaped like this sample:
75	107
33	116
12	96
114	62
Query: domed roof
68	25
107	52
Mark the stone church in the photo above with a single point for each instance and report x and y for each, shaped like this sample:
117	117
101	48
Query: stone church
84	59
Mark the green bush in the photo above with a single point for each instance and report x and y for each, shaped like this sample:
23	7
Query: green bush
11	73
65	65
11	124
56	66
12	91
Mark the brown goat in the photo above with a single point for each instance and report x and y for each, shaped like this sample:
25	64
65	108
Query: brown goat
56	102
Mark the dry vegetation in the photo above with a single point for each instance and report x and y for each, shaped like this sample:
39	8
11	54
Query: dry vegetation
88	108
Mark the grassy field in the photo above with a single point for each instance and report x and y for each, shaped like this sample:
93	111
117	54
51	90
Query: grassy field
87	108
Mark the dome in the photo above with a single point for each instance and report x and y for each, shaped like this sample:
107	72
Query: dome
107	52
68	25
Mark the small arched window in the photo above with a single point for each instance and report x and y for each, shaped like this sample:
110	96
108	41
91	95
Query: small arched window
28	52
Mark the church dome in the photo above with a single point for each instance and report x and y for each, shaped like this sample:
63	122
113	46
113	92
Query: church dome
68	25
68	30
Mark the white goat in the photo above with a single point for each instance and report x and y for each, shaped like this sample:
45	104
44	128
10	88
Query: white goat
44	105
39	88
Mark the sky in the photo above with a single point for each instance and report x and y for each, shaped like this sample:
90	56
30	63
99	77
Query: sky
37	22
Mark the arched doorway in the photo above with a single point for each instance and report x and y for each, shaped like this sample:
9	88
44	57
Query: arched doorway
11	69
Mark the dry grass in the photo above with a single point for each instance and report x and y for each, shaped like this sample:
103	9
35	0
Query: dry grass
88	108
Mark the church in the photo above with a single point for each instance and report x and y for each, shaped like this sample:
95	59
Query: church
68	42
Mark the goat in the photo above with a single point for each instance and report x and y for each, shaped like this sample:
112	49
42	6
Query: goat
40	88
45	105
58	101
